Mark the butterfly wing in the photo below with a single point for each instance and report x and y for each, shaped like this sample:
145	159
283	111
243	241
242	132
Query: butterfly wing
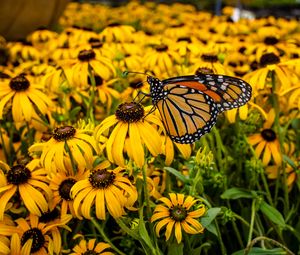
187	113
226	91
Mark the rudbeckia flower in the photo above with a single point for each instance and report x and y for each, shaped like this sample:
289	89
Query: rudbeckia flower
283	72
266	142
61	184
178	213
30	182
26	98
92	247
131	121
34	237
88	64
76	144
105	190
116	32
161	59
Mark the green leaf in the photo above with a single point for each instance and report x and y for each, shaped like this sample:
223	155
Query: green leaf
272	213
143	231
179	175
175	249
207	220
257	250
210	215
74	112
235	193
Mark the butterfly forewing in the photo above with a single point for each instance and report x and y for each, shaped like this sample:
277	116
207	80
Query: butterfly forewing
187	114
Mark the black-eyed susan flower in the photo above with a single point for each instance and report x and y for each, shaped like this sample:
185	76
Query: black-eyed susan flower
104	190
116	32
266	142
283	71
178	213
87	64
79	145
25	98
30	182
61	184
161	59
38	238
130	121
91	247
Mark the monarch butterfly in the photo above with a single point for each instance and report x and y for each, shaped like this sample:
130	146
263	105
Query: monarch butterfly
189	105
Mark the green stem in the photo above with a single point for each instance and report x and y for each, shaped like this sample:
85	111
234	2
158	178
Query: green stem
253	211
223	249
262	238
146	192
71	157
263	177
275	102
4	148
90	108
245	223
104	236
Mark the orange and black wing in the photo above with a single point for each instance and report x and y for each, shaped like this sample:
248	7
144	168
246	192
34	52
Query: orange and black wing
227	92
187	113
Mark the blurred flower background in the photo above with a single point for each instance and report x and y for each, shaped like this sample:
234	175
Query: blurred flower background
86	165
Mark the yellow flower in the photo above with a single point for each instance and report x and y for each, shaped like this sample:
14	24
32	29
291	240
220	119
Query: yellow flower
116	32
61	184
283	72
76	144
103	189
266	142
30	182
131	121
26	98
22	52
272	173
91	247
177	213
211	62
86	64
31	236
161	59
169	150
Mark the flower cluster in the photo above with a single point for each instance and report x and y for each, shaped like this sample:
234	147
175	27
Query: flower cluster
86	161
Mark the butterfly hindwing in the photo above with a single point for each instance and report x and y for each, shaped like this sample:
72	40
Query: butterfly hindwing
187	114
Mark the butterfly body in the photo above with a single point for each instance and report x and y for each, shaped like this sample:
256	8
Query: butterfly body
189	105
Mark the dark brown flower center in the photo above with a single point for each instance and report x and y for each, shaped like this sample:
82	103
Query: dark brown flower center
136	84
86	55
184	39
204	70
98	80
90	253
95	43
65	188
130	112
209	58
63	133
38	239
178	213
114	24
4	75
18	174
269	59
49	216
101	179
268	134
271	40
19	83
177	25
161	47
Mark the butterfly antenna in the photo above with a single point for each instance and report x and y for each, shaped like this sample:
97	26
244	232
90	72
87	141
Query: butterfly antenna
125	73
